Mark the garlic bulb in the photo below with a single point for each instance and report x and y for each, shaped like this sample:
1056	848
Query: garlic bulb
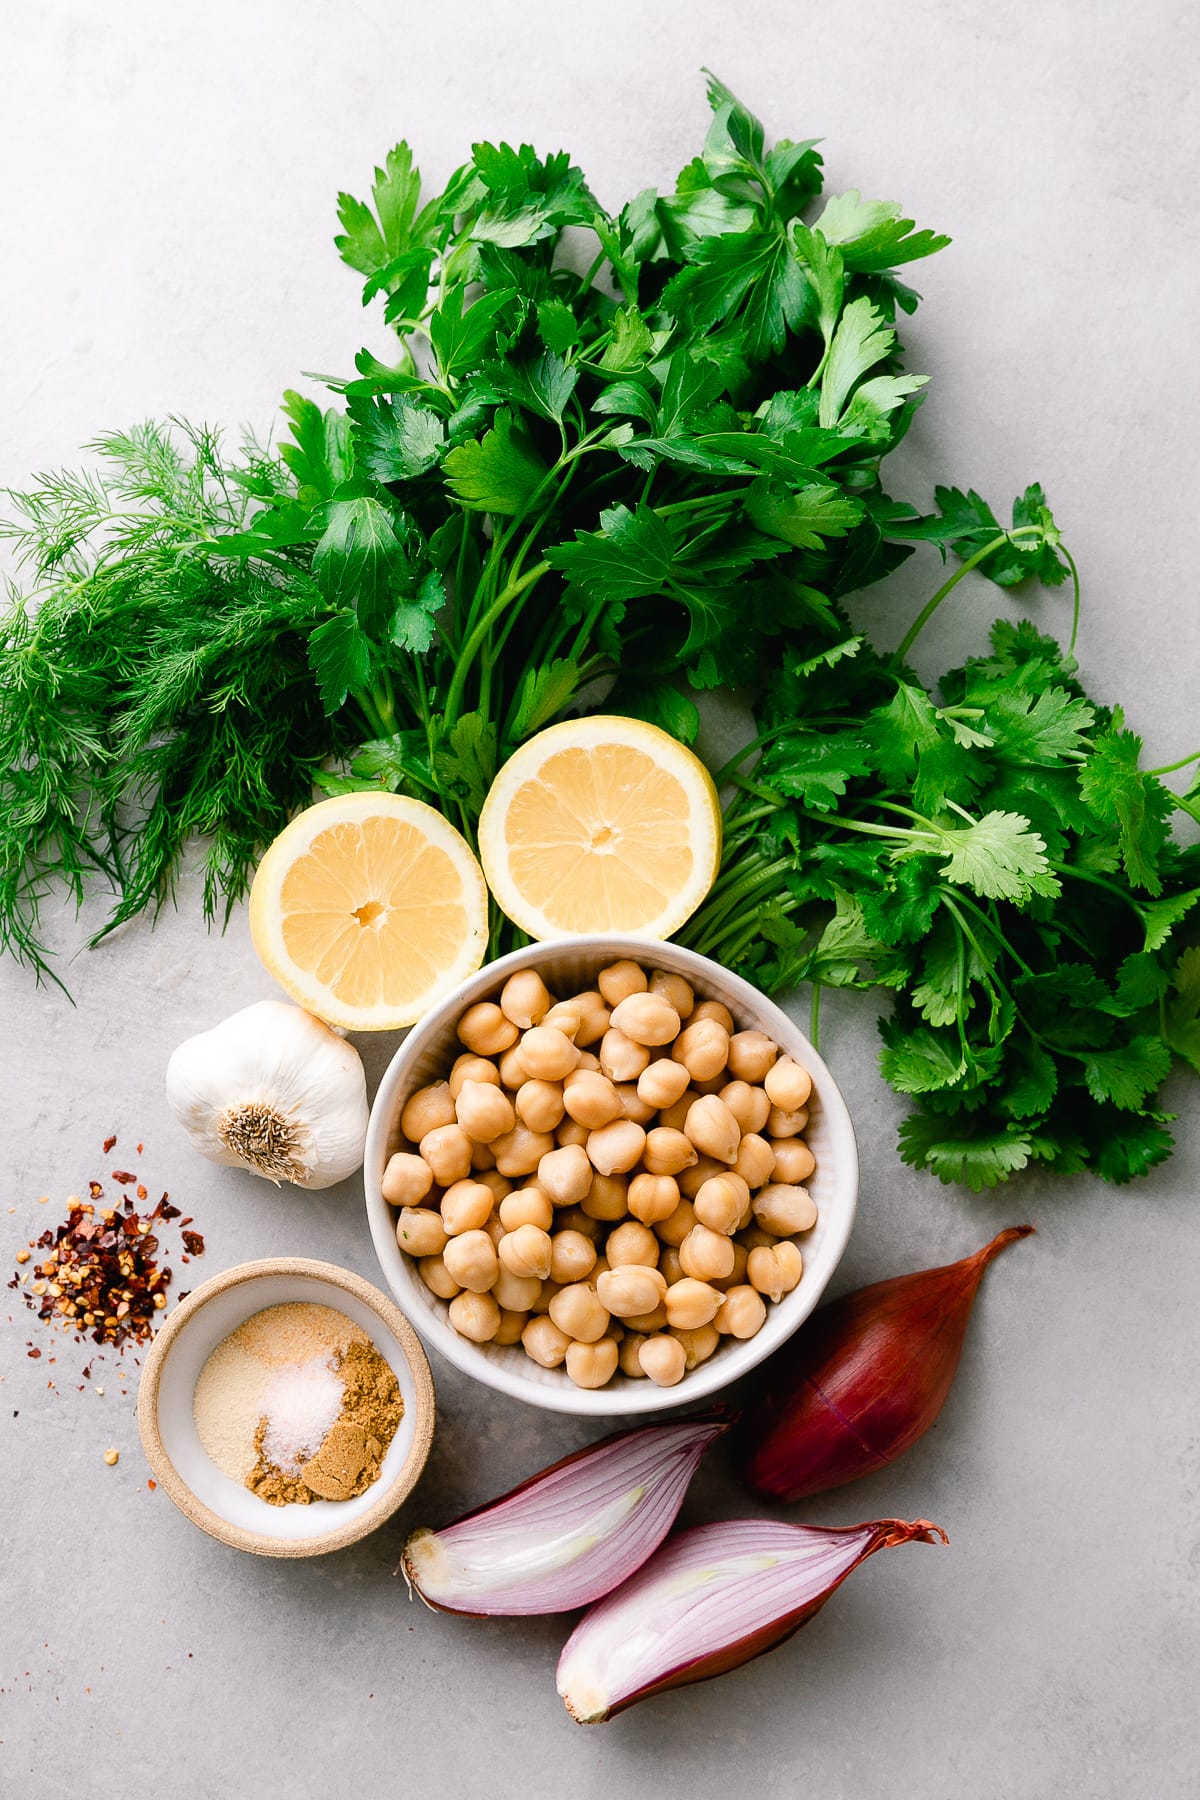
272	1090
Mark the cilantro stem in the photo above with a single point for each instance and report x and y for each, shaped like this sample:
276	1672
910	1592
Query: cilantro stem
1073	566
814	1016
1170	768
1109	887
930	607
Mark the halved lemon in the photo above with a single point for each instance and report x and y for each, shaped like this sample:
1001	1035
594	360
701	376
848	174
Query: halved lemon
367	908
601	824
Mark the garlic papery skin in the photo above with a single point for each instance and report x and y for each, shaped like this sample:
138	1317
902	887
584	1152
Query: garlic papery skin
273	1090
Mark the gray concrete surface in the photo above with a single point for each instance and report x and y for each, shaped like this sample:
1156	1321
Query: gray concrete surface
169	176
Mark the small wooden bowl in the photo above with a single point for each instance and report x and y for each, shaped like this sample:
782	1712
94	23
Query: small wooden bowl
182	1466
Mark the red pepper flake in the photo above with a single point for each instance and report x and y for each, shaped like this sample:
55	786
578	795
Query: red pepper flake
194	1242
141	1191
152	1485
95	1190
33	1353
124	1177
110	1143
140	1148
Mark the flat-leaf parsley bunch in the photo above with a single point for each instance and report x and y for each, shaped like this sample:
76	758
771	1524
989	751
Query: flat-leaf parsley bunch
623	477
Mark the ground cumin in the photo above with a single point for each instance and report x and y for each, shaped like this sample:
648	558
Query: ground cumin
353	1449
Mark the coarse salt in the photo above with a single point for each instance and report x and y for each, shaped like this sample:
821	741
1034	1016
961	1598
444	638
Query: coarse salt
301	1402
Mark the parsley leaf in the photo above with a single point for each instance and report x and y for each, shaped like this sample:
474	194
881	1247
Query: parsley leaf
498	473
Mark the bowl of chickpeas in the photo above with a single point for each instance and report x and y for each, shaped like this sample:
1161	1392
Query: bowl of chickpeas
607	1176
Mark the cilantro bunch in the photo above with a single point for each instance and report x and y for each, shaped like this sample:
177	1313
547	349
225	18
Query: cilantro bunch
619	459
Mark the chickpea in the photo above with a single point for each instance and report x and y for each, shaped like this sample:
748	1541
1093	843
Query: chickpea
653	1198
566	1174
494	1229
743	1312
674	1228
576	1310
475	1316
542	1303
782	1124
698	1345
544	1342
674	989
471	1260
669	1265
667	1151
775	1272
648	1322
483	1161
526	1251
793	1161
714	1009
787	1084
591	1100
713	1128
512	1324
593	1016
662	1082
630	1291
783	1210
627	1356
564	1016
527	1206
466	1206
721	1202
499	1184
620	1058
420	1231
646	1018
615	1148
484	1029
619	980
755	1160
591	1365
588	1064
692	1303
703	1049
632	1105
512	1069
607	1199
570	1132
711	1087
751	1054
572	1257
520	1150
749	1105
469	1067
547	1054
525	998
447	1150
516	1293
406	1180
692	1179
664	1359
673	1117
574	1218
539	1104
631	1242
426	1110
437	1277
706	1255
753	1237
484	1112
737	1275
599	1268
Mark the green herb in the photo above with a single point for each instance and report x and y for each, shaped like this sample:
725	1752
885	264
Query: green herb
624	486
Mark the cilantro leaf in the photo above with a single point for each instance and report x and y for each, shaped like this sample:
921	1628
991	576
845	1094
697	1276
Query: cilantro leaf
815	766
918	1059
1118	793
1126	1075
997	856
498	473
1183	1009
974	1152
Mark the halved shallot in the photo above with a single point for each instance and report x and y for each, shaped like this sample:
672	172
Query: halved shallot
568	1534
711	1599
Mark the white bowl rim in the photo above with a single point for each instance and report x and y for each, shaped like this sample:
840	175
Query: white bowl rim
733	1361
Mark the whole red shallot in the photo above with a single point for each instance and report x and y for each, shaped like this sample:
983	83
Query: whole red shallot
864	1380
709	1600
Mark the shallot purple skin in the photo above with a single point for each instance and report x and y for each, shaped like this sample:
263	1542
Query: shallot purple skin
863	1380
710	1599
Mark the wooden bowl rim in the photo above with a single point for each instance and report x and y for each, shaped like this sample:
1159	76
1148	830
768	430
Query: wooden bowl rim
177	1489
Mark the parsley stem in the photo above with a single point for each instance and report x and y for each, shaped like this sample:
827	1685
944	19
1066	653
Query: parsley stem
471	648
930	607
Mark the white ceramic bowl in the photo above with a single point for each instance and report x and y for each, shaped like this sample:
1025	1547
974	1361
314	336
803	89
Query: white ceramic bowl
184	1469
568	966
